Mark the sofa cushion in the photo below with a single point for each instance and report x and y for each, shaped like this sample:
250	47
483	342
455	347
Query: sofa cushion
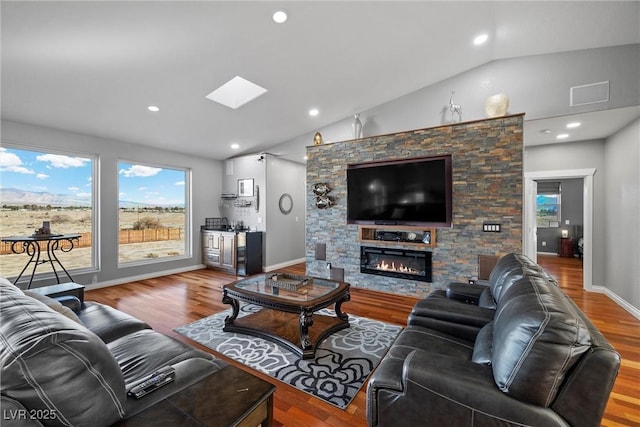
143	352
484	345
52	364
433	341
506	273
108	323
537	338
54	304
486	299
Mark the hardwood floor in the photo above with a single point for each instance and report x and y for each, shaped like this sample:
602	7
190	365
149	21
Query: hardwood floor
171	301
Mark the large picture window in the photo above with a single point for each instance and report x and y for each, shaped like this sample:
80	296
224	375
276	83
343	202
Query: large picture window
40	187
153	212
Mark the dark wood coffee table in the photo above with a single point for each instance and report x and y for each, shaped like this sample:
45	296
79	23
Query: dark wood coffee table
228	397
288	314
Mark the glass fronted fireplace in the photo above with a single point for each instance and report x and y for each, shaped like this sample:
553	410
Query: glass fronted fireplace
402	263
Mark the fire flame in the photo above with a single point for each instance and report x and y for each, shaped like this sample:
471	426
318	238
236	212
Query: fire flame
384	265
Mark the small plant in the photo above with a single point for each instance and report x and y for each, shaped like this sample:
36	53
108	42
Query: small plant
147	222
60	218
151	255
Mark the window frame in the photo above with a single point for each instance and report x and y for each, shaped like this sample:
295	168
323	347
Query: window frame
95	265
188	233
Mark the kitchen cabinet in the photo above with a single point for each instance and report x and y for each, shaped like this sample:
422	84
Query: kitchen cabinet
235	252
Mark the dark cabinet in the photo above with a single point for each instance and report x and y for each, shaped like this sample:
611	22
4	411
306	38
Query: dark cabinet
249	253
238	253
566	247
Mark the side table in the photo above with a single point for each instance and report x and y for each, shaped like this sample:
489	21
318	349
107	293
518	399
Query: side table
229	397
62	289
32	246
566	247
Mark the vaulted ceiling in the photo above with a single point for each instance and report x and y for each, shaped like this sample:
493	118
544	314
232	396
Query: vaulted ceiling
95	66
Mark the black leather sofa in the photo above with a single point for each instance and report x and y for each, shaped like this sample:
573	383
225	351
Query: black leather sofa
62	368
468	308
535	359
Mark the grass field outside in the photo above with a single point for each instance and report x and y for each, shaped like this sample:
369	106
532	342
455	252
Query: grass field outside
25	222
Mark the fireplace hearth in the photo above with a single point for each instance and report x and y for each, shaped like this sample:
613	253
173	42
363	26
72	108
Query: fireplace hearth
401	263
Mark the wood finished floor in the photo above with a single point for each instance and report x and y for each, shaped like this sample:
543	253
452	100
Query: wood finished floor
170	301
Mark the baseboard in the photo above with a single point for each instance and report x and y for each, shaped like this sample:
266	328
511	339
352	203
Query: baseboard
635	312
155	274
268	268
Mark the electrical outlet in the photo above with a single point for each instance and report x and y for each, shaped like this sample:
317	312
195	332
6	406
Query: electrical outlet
544	243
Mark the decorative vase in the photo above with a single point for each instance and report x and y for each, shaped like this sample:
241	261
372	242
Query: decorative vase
357	127
496	105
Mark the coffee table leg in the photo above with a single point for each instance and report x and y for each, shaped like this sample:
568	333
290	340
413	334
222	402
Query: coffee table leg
236	308
339	313
306	320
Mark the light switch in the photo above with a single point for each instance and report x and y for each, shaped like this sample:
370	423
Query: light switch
491	228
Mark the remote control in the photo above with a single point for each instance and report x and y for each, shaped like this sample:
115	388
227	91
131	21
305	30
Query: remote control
161	377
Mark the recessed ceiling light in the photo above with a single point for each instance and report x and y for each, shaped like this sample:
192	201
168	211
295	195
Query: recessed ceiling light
279	16
480	39
153	108
573	125
235	146
314	112
236	92
562	136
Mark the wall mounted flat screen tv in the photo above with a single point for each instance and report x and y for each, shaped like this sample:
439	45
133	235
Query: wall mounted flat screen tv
402	192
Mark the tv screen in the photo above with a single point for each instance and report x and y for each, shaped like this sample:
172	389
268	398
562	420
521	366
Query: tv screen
402	192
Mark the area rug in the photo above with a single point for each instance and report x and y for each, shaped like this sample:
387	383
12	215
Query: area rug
343	361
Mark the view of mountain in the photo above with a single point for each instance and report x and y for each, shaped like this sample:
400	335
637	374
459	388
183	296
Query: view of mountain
14	196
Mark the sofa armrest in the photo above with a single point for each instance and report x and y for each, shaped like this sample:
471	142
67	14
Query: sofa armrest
465	292
446	391
14	414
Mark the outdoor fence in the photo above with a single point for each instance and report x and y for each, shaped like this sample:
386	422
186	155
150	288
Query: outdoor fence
126	236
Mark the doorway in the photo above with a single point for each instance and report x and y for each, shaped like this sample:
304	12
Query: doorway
530	230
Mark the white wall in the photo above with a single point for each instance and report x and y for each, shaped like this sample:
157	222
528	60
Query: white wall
536	85
285	237
578	155
622	213
283	240
206	189
245	167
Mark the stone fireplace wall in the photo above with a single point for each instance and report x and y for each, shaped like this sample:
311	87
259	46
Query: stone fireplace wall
487	188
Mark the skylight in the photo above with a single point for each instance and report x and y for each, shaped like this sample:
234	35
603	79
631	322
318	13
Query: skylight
236	92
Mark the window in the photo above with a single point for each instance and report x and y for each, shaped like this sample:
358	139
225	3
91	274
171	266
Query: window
43	186
153	213
548	204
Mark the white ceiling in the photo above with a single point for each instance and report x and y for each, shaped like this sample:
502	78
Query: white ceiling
93	67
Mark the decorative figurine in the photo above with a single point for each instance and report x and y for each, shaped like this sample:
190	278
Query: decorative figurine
357	127
317	139
455	108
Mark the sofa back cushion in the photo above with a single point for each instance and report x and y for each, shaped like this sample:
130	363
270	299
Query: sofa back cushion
508	270
537	338
52	364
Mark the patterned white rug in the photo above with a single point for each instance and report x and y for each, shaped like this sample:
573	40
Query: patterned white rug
343	361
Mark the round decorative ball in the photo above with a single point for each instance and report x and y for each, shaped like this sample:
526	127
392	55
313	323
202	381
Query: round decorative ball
496	105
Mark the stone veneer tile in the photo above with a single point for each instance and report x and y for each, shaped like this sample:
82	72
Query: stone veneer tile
487	158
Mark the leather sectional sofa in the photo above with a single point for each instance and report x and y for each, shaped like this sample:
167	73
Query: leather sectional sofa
62	368
515	352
